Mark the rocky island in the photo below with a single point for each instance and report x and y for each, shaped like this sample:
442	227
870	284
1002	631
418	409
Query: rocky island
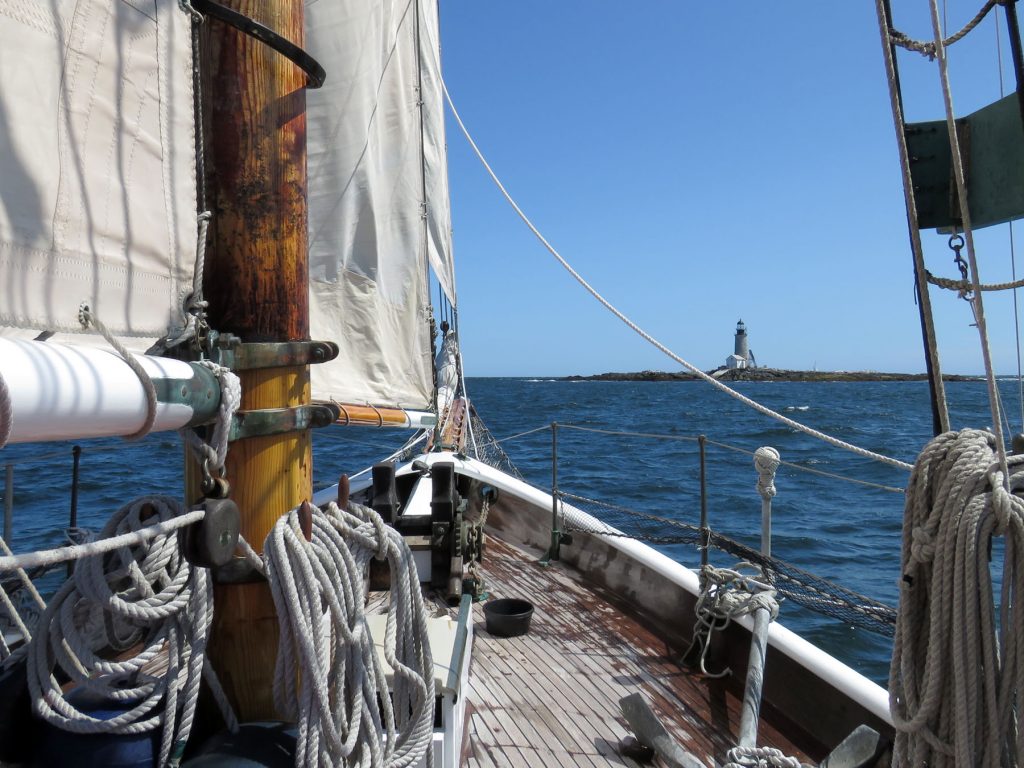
741	366
767	374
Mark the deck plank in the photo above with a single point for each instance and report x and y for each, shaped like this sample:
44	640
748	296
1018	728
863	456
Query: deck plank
550	697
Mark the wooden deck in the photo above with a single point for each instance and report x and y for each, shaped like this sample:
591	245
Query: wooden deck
551	698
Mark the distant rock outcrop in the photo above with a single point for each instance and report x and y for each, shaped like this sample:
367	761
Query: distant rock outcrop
767	374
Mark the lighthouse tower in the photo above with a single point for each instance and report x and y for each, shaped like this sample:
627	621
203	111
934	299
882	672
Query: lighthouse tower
741	352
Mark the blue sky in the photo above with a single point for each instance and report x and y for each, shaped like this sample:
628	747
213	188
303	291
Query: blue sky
700	163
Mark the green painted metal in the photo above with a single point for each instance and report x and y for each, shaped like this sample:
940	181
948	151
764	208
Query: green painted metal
992	140
276	421
201	393
229	351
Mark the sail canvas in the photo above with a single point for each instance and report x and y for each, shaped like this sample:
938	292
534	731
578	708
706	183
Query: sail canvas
377	197
97	167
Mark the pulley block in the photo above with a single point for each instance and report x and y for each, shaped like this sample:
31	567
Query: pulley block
211	542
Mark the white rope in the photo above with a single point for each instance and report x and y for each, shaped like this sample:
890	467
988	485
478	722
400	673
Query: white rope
134	538
215	452
759	757
726	594
964	287
646	336
138	594
328	676
193	305
961	188
87	317
6	412
12	611
929	48
957	670
766	462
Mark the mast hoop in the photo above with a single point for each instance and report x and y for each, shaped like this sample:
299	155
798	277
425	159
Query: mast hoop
314	72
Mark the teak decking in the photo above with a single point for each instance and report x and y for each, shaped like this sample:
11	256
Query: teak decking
550	697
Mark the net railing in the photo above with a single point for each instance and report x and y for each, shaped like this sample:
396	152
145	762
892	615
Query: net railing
602	518
802	587
487	448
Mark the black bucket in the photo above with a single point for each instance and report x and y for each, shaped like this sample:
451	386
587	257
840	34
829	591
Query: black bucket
508	617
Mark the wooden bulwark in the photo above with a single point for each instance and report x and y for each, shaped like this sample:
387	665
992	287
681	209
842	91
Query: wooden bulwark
551	697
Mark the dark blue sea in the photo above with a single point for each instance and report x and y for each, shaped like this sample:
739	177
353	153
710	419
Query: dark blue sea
844	532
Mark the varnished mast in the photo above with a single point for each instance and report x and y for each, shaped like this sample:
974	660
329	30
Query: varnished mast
256	285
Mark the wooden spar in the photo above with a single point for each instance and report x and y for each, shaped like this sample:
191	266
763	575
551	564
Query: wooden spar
372	416
453	430
256	285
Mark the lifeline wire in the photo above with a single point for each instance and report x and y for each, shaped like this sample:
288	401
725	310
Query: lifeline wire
646	336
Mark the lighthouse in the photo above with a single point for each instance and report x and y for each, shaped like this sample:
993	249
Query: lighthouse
740	358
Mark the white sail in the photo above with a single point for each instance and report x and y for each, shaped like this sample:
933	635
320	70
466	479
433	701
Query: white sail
97	167
378	202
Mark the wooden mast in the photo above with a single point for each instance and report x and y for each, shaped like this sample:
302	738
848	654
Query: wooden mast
256	285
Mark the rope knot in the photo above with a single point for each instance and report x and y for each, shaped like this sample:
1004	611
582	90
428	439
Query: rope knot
766	462
1002	508
759	757
922	545
383	541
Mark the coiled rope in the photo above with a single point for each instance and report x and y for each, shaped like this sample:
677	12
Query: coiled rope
957	670
764	410
328	676
146	594
726	594
759	757
20	623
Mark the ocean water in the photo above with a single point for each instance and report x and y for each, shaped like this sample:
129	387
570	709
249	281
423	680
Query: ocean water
844	532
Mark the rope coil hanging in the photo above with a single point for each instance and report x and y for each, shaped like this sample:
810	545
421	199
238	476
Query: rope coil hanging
328	676
148	594
956	667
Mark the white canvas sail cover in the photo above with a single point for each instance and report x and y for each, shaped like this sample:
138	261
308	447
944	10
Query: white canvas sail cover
378	198
97	166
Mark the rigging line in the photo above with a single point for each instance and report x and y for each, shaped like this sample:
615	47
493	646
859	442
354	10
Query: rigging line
462	380
809	470
737	449
1013	252
764	410
524	434
1016	328
965	217
654	435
